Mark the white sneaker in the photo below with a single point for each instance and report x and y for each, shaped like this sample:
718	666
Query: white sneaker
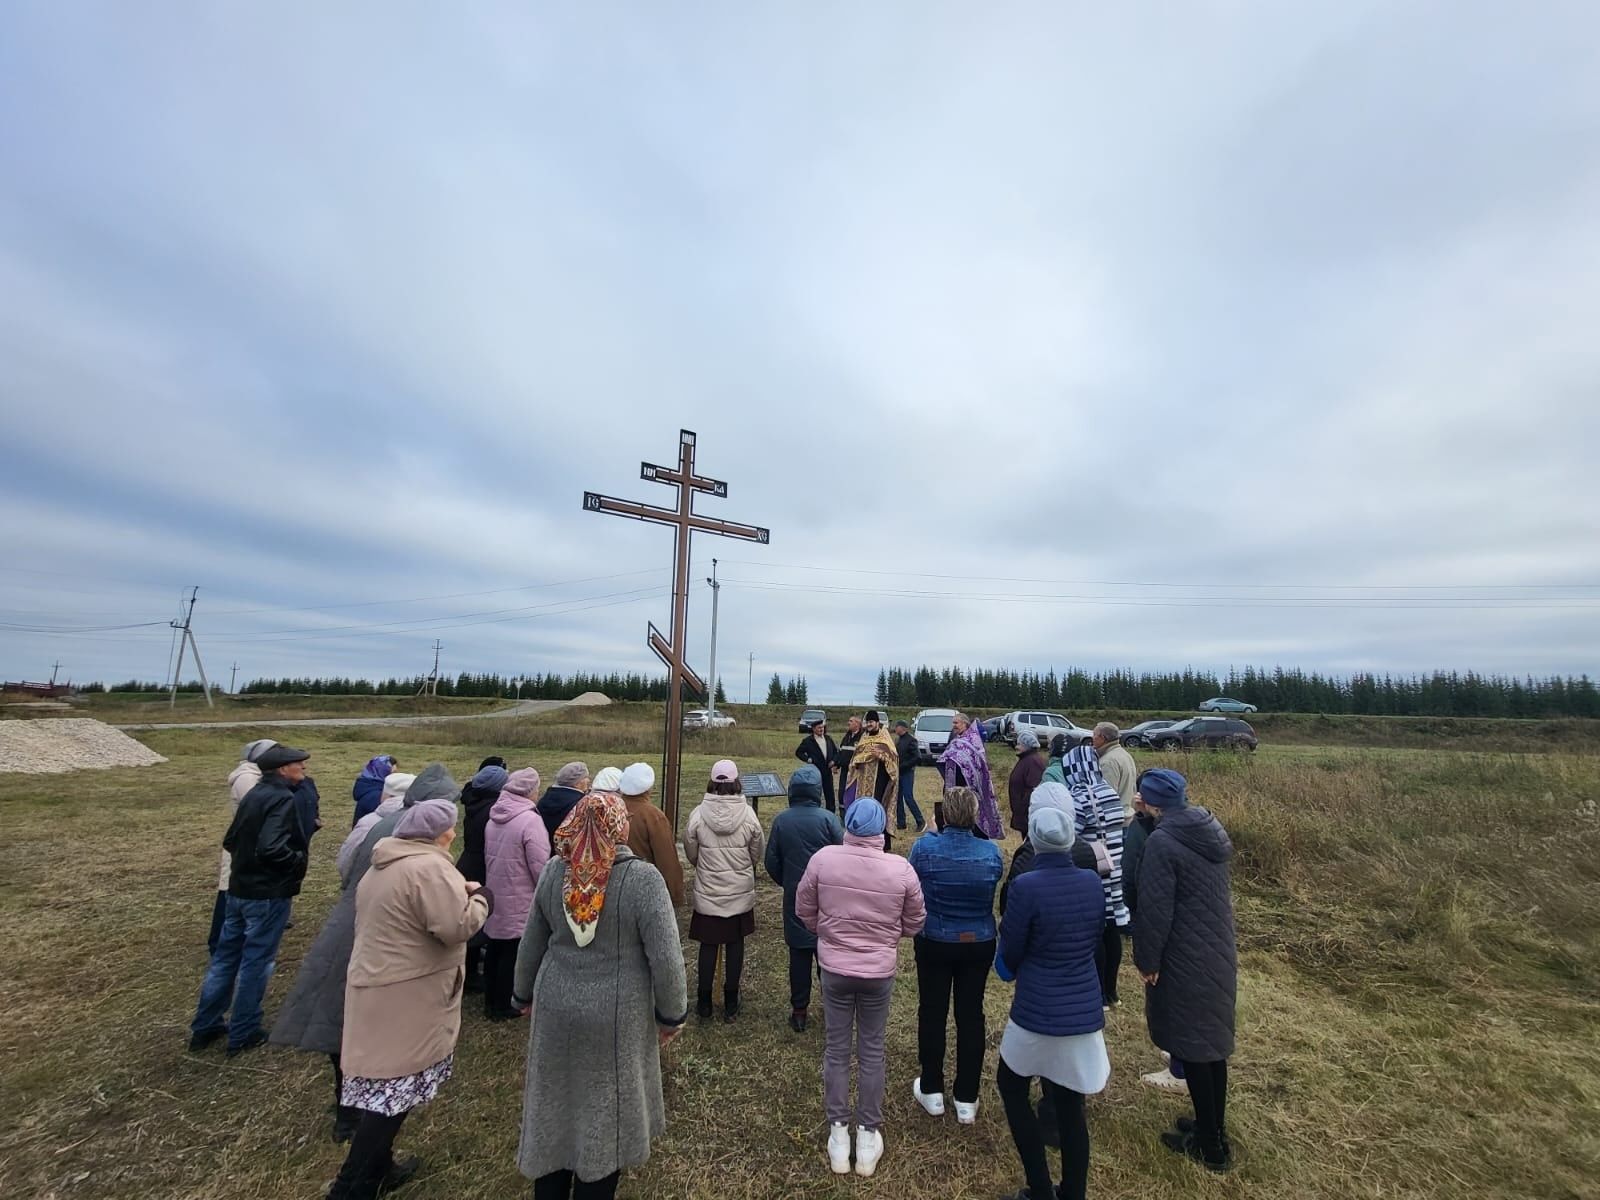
966	1113
1164	1079
839	1148
869	1149
932	1102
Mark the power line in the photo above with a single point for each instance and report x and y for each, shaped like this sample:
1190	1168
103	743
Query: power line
15	628
518	615
1400	604
285	608
1374	587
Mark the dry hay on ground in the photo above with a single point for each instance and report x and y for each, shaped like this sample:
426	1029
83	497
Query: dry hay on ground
593	698
51	747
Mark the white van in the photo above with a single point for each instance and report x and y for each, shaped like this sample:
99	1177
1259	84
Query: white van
932	731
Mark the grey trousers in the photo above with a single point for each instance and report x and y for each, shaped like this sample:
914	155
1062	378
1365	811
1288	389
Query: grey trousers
859	1006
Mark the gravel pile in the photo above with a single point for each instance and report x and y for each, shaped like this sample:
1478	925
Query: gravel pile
50	747
590	698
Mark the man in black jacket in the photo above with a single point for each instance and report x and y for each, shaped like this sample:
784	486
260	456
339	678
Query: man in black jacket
268	844
818	749
906	743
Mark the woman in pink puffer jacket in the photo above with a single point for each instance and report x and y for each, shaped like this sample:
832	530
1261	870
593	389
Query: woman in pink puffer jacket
860	902
515	850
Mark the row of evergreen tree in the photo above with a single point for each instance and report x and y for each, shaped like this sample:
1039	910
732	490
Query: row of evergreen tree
793	692
1439	694
533	687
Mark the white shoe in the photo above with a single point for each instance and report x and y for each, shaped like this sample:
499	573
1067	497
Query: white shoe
869	1149
966	1113
839	1148
1165	1079
932	1102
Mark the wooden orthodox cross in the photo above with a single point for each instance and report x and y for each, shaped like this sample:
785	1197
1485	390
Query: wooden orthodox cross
684	521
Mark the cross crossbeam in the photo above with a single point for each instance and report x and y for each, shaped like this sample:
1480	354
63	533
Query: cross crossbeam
685	522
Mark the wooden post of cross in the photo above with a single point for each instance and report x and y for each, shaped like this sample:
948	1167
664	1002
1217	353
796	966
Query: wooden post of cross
670	650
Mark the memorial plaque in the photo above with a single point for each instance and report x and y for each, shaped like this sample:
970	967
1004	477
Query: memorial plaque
763	783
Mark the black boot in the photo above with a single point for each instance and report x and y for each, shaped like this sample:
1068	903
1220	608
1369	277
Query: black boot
730	1006
346	1118
1186	1125
1217	1157
702	1006
797	1020
399	1173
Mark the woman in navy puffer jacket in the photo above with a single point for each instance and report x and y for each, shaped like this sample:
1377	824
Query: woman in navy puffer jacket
1053	923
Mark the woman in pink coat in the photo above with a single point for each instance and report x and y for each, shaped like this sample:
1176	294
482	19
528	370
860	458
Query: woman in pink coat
859	902
516	846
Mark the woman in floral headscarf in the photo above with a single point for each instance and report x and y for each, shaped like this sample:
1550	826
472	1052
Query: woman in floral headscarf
601	964
965	763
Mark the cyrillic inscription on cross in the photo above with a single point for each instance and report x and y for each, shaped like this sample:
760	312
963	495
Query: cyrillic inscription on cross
684	522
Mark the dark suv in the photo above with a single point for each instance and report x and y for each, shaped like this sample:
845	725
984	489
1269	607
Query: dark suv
1208	733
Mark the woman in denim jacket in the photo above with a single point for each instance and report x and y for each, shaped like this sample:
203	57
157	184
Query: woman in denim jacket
959	872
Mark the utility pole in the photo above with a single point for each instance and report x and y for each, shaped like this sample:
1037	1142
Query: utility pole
187	640
233	681
750	681
430	686
716	591
54	670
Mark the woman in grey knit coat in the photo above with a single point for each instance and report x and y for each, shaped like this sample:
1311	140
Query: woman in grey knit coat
601	964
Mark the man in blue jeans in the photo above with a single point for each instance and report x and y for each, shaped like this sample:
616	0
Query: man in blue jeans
906	744
268	844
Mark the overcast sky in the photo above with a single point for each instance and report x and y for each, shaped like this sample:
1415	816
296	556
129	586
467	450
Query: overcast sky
1039	336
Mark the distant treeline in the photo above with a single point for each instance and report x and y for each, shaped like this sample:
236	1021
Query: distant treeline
1439	694
534	687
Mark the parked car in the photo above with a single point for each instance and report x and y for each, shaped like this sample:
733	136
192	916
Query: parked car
1225	704
991	729
810	717
1045	726
699	718
1210	733
1140	734
931	728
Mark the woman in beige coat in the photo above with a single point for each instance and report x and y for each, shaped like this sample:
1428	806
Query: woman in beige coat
724	843
402	1008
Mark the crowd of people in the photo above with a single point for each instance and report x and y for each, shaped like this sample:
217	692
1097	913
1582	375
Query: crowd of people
562	906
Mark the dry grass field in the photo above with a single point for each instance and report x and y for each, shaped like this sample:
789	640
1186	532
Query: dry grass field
1419	1007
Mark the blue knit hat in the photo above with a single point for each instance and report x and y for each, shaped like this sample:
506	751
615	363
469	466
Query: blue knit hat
806	784
1163	788
865	818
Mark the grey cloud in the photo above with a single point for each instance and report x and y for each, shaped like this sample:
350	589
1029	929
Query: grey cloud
1268	296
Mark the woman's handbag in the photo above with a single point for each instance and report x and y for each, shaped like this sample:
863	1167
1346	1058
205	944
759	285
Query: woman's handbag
1102	859
1102	855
